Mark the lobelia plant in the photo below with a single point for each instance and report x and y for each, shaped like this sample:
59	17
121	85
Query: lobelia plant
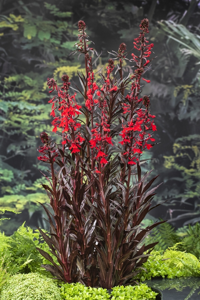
95	232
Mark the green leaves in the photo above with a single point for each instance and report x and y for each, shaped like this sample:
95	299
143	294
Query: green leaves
170	264
56	12
183	36
29	31
165	236
44	35
21	254
69	45
191	242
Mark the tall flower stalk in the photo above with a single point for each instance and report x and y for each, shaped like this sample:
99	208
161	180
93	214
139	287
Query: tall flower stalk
98	207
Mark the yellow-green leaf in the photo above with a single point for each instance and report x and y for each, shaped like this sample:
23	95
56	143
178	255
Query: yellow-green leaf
30	31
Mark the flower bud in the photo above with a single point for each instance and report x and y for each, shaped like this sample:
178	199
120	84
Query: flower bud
51	83
139	71
81	25
144	25
111	62
146	101
122	48
65	78
44	137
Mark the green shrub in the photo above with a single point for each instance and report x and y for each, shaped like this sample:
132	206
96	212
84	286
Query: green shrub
33	286
78	291
170	264
138	292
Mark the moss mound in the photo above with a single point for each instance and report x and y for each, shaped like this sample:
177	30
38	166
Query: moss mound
32	286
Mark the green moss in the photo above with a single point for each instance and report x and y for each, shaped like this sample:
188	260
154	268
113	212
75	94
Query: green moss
32	286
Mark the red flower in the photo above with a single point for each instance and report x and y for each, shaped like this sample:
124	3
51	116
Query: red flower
146	80
92	88
103	161
43	158
109	140
100	153
148	146
114	89
153	126
74	148
137	151
146	63
131	162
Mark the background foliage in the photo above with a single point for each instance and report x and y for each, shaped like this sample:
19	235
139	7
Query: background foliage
36	41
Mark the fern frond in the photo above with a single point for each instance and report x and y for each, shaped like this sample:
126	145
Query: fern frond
56	12
165	235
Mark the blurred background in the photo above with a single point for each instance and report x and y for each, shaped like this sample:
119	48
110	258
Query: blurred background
36	39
